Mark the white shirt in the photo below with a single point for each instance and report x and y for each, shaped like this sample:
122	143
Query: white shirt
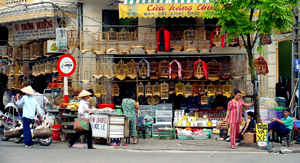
83	105
41	99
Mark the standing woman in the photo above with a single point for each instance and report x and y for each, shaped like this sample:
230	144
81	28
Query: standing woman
83	112
129	106
234	116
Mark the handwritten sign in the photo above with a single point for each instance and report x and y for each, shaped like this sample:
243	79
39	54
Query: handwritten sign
99	125
261	134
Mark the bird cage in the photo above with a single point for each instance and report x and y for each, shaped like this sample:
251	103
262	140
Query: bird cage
111	40
115	90
148	90
227	90
4	51
34	69
150	41
198	71
270	104
219	89
97	70
25	68
17	69
211	90
175	69
164	69
45	49
202	89
77	88
42	69
108	69
123	42
203	40
5	69
261	66
99	44
86	71
225	69
213	70
143	68
249	90
17	51
140	90
137	40
171	87
164	91
86	41
265	39
10	52
156	89
179	88
36	50
54	68
73	39
216	37
18	82
188	90
26	52
176	41
190	40
97	90
204	100
237	66
240	85
154	70
10	82
132	69
48	67
187	69
11	71
196	90
121	70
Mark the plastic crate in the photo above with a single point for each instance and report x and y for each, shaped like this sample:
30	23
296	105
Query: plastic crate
167	134
183	137
155	128
200	137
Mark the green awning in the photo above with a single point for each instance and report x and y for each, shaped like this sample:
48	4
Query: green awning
165	1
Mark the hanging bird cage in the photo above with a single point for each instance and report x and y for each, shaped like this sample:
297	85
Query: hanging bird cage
190	40
5	69
204	100
179	88
261	66
54	68
4	51
73	39
42	69
45	49
18	83
216	37
150	42
211	90
140	90
164	91
219	89
25	68
48	66
97	70
148	90
111	40
97	90
108	69
176	41
249	91
10	52
26	52
225	69
227	90
237	66
17	51
137	40
34	69
86	71
265	39
10	71
213	70
10	82
171	87
187	69
86	41
204	40
202	89
115	90
196	90
121	70
164	69
132	69
17	69
99	44
77	88
154	70
240	85
123	42
175	69
156	89
143	68
199	72
188	90
36	50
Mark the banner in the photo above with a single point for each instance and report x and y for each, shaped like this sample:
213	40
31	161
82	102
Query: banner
34	29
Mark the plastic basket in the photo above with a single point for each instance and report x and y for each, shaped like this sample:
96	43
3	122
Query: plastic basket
200	137
183	137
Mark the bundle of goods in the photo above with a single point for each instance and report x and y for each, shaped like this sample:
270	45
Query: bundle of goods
73	105
42	132
12	133
199	134
184	133
107	109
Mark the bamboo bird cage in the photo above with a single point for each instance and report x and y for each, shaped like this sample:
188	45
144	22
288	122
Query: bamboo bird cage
148	90
190	40
99	44
176	41
137	40
237	66
111	40
196	90
156	89
121	70
97	88
115	90
123	42
86	41
140	90
213	70
164	69
73	39
211	90
203	40
171	87
132	69
154	70
225	69
150	42
179	88
227	90
26	52
187	69
188	90
164	91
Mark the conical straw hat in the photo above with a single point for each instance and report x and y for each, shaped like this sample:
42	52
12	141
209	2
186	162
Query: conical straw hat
28	90
84	93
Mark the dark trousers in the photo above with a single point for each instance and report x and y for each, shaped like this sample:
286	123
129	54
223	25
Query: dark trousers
279	128
26	131
88	136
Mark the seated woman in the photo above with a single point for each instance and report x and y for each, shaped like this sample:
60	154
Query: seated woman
250	124
282	126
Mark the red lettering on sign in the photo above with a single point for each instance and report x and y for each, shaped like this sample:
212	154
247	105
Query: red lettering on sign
44	24
181	8
155	8
205	7
27	26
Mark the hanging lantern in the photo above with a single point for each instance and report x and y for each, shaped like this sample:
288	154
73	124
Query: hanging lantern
111	40
132	69
225	69
154	70
26	52
156	89
164	69
108	69
188	90
171	87
4	51
86	41
99	44
143	68
204	40
164	91
261	66
137	40
237	64
16	54
200	69
97	70
97	90
219	89
150	42
115	90
140	90
123	42
36	50
86	75
204	100
227	90
163	40
77	88
148	90
216	37
187	69
196	90
176	40
265	39
211	90
190	40
121	70
54	68
213	70
73	39
48	66
175	70
240	85
179	88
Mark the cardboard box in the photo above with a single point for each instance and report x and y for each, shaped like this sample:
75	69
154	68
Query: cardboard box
250	137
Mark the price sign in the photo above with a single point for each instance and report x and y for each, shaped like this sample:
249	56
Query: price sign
262	134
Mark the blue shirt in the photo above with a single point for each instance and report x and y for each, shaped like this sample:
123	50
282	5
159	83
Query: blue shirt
29	104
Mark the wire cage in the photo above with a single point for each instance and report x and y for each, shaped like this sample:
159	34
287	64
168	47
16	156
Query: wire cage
48	67
217	37
240	85
86	71
211	90
132	69
164	69
150	41
4	51
187	69
17	51
123	42
203	40
140	90
54	68
154	70
156	89
176	41
148	90
111	40
73	39
36	50
108	69
196	90
143	68
225	69
237	66
199	72
219	89
99	44
190	40
10	52
188	90
86	41
213	70
164	91
171	87
179	88
227	90
137	39
204	100
202	89
261	66
97	88
26	52
121	70
115	90
97	70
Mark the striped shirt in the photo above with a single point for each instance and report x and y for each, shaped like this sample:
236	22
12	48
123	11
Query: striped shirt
235	115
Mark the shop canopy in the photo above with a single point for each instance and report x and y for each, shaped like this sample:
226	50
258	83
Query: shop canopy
163	8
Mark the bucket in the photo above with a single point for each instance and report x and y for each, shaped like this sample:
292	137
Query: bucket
56	132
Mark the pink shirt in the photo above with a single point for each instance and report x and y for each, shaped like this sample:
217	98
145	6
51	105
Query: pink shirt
235	115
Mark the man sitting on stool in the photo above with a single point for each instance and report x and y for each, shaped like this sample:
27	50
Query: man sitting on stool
283	126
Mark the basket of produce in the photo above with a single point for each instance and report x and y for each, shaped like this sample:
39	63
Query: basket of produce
13	133
42	133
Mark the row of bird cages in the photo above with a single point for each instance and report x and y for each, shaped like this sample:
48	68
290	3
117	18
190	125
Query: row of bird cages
16	69
14	82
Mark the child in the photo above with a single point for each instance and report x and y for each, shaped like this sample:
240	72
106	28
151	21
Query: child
250	125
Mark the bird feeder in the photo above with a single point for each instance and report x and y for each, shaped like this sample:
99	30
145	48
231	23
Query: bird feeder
204	100
176	41
123	42
150	41
187	69
175	69
48	66
219	89
261	66
86	41
132	69
143	68
26	52
121	70
213	70
225	69
76	88
188	90
115	90
140	90
204	40
211	90
171	87
17	51
154	70
200	69
73	39
97	70
237	66
156	89
137	40
164	91
164	69
227	90
148	90
108	69
36	50
4	51
216	37
10	52
196	90
99	44
97	90
190	40
54	68
202	89
86	71
111	40
179	88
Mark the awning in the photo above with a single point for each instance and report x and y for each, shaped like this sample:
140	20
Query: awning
165	1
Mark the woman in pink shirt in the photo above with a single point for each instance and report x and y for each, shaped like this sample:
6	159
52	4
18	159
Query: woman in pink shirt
234	115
